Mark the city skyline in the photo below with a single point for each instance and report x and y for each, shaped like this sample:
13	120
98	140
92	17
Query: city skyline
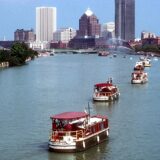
69	12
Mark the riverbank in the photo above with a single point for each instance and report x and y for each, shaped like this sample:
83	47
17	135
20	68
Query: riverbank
4	64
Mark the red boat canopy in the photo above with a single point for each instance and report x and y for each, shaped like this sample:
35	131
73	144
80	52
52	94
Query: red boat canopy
69	115
103	84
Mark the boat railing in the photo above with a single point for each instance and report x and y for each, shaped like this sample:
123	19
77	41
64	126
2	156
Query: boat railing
59	135
105	93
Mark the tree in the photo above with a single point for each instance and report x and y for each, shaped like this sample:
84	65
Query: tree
18	54
148	48
4	55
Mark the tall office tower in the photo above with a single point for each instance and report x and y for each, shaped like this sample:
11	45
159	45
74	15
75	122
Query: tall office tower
89	25
45	23
125	19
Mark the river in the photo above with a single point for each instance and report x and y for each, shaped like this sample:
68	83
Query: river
49	85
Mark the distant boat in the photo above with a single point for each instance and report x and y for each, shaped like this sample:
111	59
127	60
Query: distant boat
139	66
77	131
52	54
105	91
139	77
114	55
103	53
146	61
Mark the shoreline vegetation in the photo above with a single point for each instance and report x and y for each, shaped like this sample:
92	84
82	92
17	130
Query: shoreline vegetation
145	49
17	55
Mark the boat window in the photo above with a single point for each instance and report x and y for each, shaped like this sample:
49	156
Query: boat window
105	124
93	129
97	127
54	126
101	126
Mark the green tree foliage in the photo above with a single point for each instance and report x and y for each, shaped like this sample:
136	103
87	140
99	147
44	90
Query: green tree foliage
18	54
148	48
4	55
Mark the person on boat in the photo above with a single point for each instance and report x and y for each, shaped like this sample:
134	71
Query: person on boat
54	125
110	80
68	127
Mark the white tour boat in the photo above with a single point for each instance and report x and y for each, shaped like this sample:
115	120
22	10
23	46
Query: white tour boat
146	62
103	53
139	77
77	131
105	92
139	66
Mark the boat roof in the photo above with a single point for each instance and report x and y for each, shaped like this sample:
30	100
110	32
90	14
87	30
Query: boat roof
103	84
69	115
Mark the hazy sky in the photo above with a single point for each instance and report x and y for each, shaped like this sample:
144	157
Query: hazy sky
18	14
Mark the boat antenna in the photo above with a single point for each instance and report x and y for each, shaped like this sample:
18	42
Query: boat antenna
88	109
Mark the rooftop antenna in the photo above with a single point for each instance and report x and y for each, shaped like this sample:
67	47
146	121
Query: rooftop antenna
4	38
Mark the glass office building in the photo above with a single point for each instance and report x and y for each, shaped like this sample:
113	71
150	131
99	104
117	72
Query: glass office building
125	19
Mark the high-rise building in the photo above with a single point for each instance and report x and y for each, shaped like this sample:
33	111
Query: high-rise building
24	35
145	34
89	25
88	35
45	23
64	35
108	30
125	19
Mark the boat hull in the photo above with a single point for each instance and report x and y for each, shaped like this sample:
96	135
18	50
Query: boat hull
80	145
147	65
106	98
139	81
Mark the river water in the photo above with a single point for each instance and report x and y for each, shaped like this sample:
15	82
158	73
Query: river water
49	85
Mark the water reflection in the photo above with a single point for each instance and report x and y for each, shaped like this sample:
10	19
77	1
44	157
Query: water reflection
104	107
98	152
139	85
